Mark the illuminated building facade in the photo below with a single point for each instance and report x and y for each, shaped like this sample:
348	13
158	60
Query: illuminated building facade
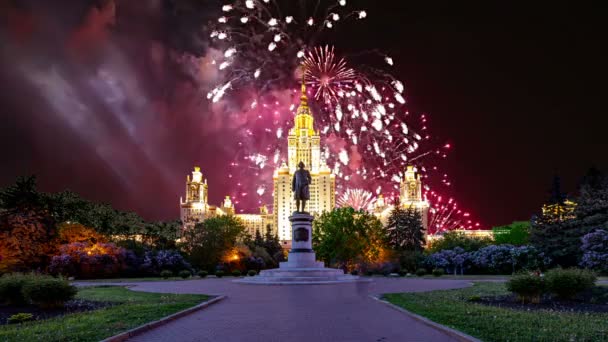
559	211
304	145
411	195
261	222
195	208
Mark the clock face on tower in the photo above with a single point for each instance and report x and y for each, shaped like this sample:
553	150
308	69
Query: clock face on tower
194	193
412	190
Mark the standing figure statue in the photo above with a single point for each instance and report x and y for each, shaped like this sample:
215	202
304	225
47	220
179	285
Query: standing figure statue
300	187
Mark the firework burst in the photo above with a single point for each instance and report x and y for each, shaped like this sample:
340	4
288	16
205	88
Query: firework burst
263	46
263	42
328	75
358	199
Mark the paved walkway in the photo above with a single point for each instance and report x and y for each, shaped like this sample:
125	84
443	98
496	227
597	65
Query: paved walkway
295	313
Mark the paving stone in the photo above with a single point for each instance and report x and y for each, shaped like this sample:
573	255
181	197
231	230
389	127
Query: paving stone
294	313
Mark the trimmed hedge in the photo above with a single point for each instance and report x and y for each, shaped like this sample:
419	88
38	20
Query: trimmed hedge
11	286
185	274
166	274
528	287
49	292
20	318
438	272
202	274
567	283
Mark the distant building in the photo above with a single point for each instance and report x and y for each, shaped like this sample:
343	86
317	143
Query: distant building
474	233
559	211
195	208
410	197
304	145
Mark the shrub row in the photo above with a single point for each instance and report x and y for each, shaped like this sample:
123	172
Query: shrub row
44	291
495	259
563	283
185	274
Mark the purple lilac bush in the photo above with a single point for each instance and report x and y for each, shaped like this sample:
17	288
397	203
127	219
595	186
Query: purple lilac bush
89	260
495	259
156	261
595	251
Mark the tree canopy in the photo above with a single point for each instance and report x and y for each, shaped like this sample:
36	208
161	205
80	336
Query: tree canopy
559	237
405	231
207	241
344	236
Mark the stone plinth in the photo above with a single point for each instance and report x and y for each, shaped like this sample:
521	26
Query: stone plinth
301	266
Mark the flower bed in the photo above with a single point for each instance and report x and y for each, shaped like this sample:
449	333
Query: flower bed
72	306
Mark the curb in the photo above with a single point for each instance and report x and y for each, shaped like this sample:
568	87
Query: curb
460	336
155	324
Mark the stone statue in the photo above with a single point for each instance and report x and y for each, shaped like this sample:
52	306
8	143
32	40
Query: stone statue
300	184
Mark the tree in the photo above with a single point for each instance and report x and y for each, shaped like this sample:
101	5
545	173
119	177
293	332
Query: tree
272	245
559	237
559	208
516	233
452	239
345	236
25	240
21	195
405	231
26	228
208	241
76	232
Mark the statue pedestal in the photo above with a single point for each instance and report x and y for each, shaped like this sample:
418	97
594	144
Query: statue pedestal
301	254
301	266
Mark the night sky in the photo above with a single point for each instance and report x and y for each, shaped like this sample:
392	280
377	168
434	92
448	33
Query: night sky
95	97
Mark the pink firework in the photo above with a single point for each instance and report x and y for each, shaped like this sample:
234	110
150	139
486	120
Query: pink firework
327	74
370	136
358	199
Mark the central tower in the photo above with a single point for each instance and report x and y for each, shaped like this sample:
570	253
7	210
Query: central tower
411	195
303	145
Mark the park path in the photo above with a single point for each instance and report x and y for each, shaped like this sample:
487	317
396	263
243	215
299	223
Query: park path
295	313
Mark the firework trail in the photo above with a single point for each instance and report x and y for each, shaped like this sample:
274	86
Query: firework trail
262	49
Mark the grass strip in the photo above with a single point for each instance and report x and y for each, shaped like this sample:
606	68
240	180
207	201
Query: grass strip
452	308
132	309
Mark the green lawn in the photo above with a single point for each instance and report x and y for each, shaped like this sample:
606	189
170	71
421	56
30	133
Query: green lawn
133	309
452	308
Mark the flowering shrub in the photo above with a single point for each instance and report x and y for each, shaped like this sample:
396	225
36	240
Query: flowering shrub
495	259
499	259
89	260
451	261
156	261
595	251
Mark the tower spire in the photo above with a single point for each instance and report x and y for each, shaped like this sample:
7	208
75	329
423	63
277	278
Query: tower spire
303	97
